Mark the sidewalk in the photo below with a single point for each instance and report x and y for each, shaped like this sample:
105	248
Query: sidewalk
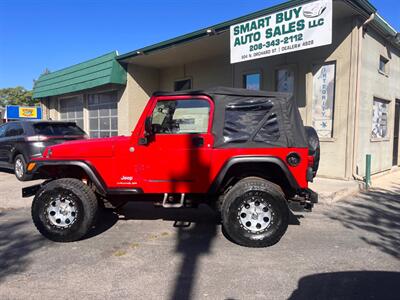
332	190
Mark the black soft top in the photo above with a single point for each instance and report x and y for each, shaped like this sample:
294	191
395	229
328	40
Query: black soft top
252	119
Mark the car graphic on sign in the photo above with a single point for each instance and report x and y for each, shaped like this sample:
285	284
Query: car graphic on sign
314	9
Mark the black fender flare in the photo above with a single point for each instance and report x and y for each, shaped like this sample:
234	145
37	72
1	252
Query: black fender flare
251	159
90	171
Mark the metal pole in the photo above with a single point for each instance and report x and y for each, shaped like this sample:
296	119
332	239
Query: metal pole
368	170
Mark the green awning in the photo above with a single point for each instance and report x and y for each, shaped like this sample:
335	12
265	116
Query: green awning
86	75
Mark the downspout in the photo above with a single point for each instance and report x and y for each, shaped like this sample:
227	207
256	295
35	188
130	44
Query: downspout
358	96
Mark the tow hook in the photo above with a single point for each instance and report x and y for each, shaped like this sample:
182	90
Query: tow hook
307	198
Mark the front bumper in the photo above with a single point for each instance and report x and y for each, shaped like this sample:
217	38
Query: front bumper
32	190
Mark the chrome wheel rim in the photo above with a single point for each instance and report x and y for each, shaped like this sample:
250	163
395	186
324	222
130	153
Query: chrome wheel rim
255	215
19	168
62	211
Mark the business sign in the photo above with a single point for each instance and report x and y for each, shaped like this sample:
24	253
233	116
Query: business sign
323	100
23	112
297	28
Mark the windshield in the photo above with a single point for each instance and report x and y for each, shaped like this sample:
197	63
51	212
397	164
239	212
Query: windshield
59	129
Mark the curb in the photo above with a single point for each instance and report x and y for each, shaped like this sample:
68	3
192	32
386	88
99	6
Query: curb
332	198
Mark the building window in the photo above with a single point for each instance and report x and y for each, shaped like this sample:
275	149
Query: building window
181	85
103	114
379	119
252	81
71	109
324	99
181	116
383	64
284	80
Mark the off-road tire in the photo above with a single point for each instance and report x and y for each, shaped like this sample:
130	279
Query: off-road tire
314	148
19	159
84	199
248	190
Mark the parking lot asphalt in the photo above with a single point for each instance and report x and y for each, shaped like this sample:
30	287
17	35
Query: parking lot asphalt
350	250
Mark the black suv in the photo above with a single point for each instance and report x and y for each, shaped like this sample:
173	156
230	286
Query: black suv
21	140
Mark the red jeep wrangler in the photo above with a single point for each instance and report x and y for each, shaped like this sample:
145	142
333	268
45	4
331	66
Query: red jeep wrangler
244	152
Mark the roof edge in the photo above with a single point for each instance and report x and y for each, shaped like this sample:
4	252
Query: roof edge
364	5
214	28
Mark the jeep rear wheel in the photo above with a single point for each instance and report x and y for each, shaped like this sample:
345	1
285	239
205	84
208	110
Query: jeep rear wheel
64	210
255	213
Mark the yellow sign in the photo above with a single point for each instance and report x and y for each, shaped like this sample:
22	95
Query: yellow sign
28	112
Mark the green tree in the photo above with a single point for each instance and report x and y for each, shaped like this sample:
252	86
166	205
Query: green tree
16	96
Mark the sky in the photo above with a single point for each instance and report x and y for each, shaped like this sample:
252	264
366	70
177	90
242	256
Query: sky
53	34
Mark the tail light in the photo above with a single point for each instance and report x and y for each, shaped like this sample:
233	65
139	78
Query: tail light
36	138
310	161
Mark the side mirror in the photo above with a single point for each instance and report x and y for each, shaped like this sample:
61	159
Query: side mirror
148	129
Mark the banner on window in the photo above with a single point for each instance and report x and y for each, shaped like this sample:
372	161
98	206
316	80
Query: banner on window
285	80
379	119
323	100
297	28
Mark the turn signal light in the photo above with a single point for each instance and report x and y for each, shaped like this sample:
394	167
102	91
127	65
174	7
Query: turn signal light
31	166
293	159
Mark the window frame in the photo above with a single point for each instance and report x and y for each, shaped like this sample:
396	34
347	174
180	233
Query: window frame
252	72
81	98
190	79
385	70
186	97
88	96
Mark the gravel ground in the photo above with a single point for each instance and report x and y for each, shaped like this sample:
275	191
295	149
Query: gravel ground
350	250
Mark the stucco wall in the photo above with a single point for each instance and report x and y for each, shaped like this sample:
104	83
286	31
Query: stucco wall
206	73
385	87
141	83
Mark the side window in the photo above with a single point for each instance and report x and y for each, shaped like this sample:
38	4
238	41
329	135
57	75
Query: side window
3	131
181	116
14	129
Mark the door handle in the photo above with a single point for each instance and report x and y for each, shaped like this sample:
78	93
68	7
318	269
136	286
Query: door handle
198	141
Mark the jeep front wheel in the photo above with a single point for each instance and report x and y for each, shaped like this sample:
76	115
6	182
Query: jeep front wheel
255	213
64	210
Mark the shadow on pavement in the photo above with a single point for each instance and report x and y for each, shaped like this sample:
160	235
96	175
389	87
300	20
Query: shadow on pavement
196	229
16	244
105	220
349	285
377	213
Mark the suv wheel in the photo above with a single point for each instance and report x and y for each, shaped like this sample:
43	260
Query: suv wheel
64	210
20	168
255	213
